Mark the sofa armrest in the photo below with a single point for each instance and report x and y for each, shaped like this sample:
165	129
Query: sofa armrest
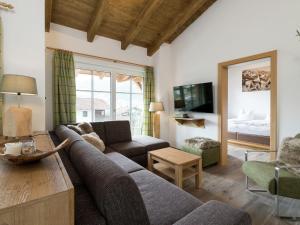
215	213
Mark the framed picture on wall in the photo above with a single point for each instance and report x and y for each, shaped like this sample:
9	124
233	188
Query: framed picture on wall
257	79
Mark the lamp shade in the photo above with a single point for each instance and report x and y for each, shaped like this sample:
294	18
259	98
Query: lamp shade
156	107
18	84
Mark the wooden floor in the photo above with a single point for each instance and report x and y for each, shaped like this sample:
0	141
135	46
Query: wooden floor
227	184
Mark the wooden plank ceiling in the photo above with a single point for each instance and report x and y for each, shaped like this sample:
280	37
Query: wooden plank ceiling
145	23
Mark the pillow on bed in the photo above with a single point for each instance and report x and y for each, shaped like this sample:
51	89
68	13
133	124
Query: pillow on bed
244	115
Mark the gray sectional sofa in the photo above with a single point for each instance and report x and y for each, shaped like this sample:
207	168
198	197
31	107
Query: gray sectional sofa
112	189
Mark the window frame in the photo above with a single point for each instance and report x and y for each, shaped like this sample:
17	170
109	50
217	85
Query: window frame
113	69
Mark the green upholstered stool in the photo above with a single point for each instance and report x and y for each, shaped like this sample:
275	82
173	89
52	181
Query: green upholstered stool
207	148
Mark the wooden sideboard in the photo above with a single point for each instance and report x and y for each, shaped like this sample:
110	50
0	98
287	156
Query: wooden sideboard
36	194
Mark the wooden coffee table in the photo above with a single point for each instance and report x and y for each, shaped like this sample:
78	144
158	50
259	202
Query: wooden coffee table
176	164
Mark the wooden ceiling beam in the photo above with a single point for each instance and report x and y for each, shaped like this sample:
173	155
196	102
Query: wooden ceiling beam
96	20
150	7
191	20
48	14
182	18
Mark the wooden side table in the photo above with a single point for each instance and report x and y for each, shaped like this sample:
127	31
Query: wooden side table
36	194
176	164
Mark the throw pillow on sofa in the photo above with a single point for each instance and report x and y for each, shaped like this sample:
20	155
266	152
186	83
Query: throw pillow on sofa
95	140
86	127
76	129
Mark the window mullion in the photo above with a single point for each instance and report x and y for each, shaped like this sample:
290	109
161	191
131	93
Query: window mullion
113	96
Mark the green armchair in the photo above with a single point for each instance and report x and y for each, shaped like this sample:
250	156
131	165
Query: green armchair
279	178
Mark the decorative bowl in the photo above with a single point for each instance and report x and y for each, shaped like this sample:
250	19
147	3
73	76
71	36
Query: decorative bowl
29	158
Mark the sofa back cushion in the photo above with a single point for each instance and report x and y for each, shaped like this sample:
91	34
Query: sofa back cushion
99	129
117	131
113	190
64	132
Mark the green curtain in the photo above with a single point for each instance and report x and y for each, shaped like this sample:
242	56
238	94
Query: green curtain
148	97
64	88
1	75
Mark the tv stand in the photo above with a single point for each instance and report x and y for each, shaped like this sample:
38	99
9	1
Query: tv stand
197	121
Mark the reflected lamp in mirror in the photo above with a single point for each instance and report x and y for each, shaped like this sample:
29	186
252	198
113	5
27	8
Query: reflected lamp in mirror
156	107
17	121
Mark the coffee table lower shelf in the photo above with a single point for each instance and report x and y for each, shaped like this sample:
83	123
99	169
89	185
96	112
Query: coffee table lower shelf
170	172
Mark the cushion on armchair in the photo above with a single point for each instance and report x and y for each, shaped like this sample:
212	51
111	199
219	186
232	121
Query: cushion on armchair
289	153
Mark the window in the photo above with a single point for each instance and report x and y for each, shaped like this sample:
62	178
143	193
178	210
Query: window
84	113
93	95
129	100
110	95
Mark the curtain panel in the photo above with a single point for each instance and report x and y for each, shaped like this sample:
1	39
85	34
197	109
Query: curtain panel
149	96
64	88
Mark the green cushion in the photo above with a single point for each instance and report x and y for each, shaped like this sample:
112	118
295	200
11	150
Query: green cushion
209	156
192	150
263	173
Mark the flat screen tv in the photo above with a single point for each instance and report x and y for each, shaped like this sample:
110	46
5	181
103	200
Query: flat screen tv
194	98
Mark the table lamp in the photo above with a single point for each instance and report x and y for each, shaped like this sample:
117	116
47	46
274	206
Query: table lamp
156	107
17	120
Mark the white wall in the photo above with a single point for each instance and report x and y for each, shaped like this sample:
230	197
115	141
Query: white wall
73	40
163	83
256	101
24	52
232	29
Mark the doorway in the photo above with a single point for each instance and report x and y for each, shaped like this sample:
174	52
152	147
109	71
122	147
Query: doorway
223	100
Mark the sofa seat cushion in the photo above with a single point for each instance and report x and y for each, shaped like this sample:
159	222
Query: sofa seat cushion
165	203
151	143
86	212
129	148
263	173
126	164
140	159
215	213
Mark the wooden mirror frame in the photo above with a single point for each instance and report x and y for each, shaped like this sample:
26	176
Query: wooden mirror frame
223	101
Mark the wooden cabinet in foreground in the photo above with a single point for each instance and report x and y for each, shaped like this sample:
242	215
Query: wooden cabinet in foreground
36	194
195	121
